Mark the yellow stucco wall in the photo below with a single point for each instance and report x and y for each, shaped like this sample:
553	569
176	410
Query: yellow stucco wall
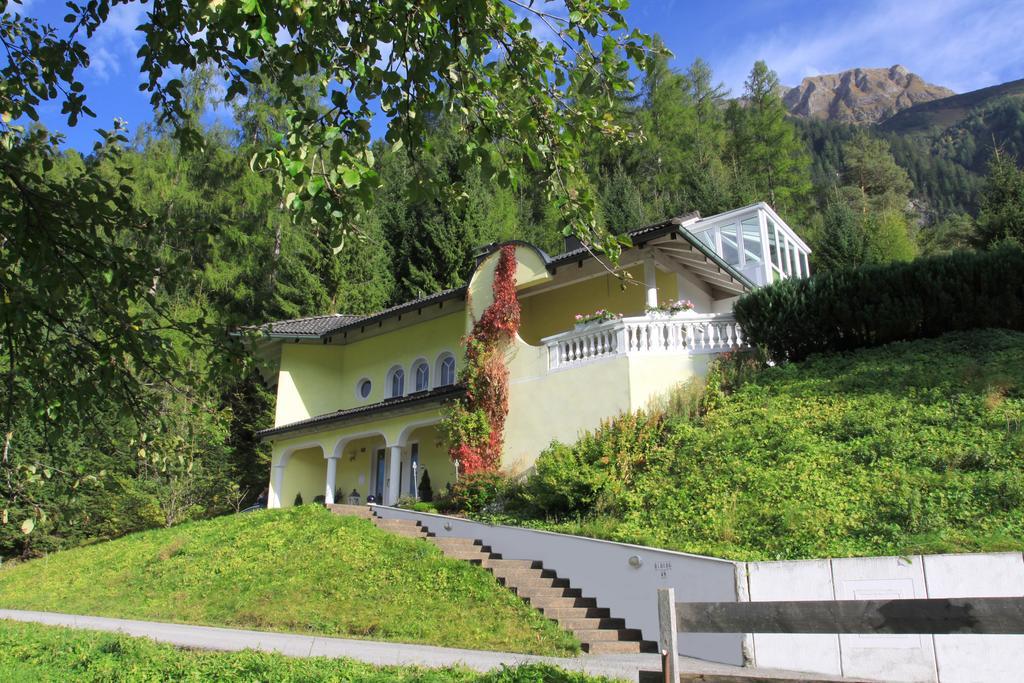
531	270
653	375
551	312
356	445
321	378
434	458
305	473
560	405
554	311
355	466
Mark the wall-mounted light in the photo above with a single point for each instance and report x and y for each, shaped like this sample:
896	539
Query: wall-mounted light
635	562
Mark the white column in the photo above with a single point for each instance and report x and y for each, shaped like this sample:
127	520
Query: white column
393	485
277	481
332	475
651	280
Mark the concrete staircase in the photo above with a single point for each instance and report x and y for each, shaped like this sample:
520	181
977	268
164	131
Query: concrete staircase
543	589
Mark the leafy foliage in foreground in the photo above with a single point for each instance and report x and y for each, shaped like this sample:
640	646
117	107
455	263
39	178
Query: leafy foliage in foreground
301	569
45	653
911	447
874	305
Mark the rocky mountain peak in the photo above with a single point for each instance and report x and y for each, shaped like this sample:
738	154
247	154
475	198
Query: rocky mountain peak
862	96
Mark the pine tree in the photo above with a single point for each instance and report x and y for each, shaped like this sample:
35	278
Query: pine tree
1002	203
769	158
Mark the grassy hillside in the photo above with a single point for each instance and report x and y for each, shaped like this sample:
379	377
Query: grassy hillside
911	447
301	569
45	654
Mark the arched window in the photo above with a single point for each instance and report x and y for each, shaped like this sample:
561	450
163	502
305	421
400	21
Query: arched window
421	375
446	370
396	381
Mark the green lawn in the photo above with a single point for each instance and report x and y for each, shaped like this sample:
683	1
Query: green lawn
301	569
45	654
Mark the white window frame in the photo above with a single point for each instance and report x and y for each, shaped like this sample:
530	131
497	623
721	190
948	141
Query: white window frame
439	374
390	381
416	365
359	384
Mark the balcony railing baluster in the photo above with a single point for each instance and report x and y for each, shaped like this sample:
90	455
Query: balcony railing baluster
704	333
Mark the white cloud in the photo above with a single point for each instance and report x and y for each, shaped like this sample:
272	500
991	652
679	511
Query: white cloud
103	63
116	41
961	44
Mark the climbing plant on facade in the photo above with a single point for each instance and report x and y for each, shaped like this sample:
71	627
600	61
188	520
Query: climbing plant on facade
475	424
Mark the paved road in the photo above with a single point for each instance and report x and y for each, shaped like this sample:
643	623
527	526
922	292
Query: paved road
380	653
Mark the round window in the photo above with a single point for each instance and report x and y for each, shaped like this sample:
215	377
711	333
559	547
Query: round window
364	388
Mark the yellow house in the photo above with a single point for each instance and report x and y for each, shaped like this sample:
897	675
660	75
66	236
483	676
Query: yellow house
359	398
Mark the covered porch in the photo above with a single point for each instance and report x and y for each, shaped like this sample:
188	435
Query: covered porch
377	457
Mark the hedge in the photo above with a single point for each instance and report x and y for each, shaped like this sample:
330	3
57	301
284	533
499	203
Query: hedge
875	305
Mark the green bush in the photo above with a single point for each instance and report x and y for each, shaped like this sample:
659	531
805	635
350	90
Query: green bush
874	305
599	471
474	492
425	490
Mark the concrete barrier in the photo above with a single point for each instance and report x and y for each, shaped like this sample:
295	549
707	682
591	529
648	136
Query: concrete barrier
944	658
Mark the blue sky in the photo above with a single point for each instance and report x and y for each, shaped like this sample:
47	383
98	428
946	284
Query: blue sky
961	44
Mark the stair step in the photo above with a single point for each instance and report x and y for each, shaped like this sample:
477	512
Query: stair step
476	556
595	635
351	510
530	583
585	623
408	533
545	602
559	613
522	573
498	563
609	647
396	523
547	592
454	542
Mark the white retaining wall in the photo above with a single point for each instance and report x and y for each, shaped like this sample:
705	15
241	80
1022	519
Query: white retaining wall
945	658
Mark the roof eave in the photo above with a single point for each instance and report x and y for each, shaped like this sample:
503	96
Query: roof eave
403	404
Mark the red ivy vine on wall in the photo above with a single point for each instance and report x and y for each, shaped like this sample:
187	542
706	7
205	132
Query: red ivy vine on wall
475	424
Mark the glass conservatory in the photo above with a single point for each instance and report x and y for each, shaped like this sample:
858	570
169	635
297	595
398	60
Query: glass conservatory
758	243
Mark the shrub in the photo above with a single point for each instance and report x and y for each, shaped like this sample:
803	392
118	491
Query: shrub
599	471
425	490
474	492
878	304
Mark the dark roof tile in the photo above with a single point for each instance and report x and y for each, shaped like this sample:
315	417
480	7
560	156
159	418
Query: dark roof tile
438	395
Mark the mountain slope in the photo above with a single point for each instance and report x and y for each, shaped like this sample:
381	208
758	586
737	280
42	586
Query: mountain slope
862	96
301	569
948	111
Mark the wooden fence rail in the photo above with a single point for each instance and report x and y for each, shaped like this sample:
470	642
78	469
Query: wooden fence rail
918	616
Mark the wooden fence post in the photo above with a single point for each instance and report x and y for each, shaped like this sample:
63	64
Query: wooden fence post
668	634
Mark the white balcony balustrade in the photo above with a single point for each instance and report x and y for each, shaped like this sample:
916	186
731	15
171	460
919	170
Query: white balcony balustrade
651	334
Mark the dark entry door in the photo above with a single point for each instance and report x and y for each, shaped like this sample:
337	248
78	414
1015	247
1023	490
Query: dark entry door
378	483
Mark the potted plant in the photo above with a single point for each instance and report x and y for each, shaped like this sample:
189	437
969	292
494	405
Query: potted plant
671	308
599	316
